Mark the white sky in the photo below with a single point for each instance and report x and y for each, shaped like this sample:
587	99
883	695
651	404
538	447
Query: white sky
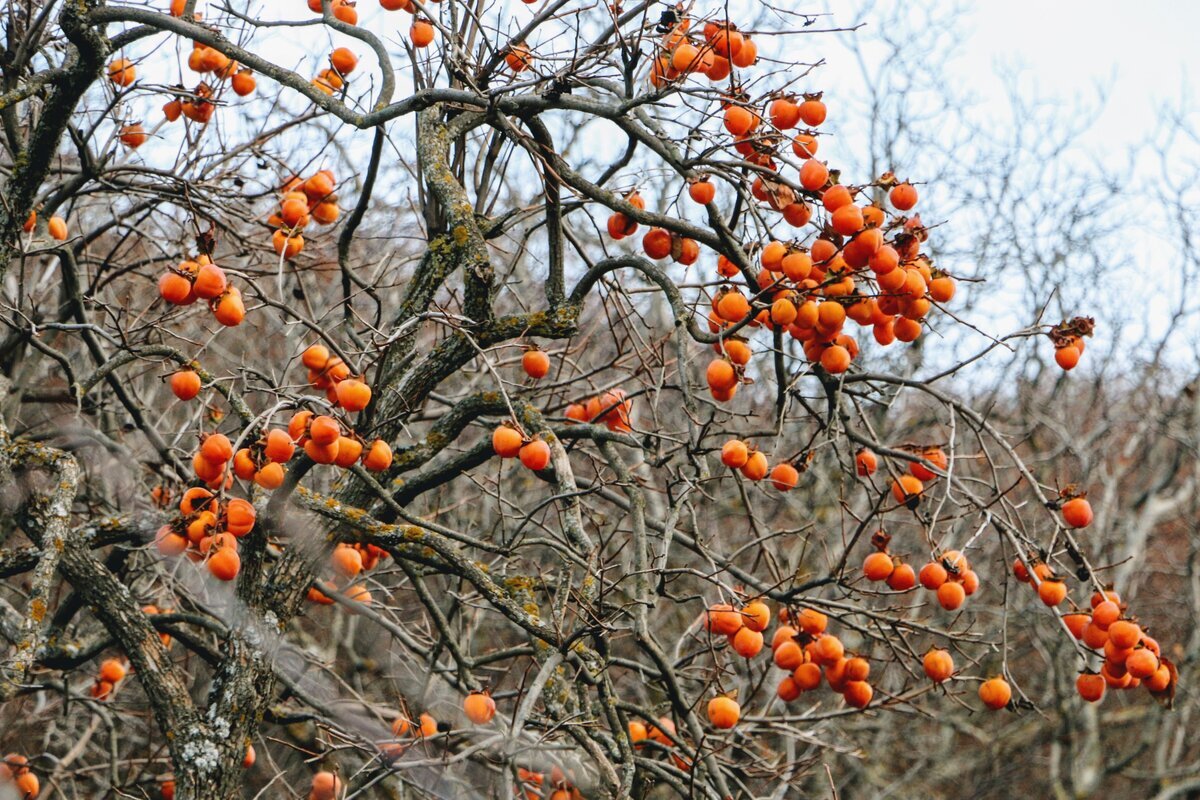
1143	52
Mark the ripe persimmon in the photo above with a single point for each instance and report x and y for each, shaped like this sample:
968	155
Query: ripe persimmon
536	363
784	633
734	454
269	476
835	359
287	246
813	176
702	191
1124	634
858	694
348	451
721	374
732	306
185	384
479	707
324	430
788	655
243	83
739	120
746	642
1052	591
784	113
344	10
1067	356
239	516
1077	512
121	72
723	712
903	578
747	55
903	196
228	309
1104	614
217	448
970	581
663	732
847	220
353	395
358	594
723	619
322	453
28	785
278	446
812	111
112	670
535	455
756	615
942	288
756	466
797	214
724	39
1090	686
244	465
788	689
325	786
938	664
507	441
657	243
878	566
421	33
1094	636
935	456
57	228
343	60
1076	623
346	561
209	281
784	477
736	350
907	490
797	265
995	693
951	595
224	563
1142	663
298	425
318	186
807	676
518	57
378	457
865	462
828	648
175	289
133	135
326	213
856	669
1160	680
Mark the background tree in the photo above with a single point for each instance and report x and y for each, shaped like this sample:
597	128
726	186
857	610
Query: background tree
271	323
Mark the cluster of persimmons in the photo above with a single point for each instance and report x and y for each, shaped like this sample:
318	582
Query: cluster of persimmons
302	201
209	525
15	774
863	262
850	253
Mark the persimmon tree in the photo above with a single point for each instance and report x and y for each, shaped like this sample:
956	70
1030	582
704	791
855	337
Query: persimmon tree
503	401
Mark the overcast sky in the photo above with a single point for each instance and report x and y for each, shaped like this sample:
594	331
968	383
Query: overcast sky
1144	54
